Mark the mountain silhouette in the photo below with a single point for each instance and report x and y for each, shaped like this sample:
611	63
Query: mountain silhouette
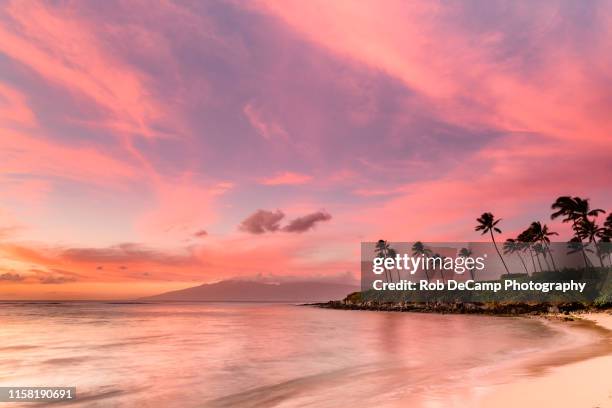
249	291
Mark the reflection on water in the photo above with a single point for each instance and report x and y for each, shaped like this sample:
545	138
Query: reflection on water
228	355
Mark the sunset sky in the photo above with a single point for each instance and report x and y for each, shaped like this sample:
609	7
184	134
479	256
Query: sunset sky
145	148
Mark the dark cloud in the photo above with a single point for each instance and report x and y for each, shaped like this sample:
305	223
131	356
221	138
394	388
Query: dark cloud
200	234
11	277
303	224
262	221
268	221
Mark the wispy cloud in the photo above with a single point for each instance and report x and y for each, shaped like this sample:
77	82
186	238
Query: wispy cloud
145	123
286	178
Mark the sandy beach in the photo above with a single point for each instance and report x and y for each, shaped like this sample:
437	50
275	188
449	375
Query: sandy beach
554	382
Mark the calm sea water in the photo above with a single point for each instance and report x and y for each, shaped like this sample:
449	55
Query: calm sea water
235	355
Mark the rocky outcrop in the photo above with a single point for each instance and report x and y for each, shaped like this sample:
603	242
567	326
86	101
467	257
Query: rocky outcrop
492	308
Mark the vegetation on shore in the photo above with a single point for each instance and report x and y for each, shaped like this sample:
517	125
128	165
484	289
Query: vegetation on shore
533	248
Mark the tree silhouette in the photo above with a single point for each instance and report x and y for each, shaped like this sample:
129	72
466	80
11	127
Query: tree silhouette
526	239
437	256
590	231
541	234
466	253
487	223
382	249
512	246
574	209
608	225
392	253
418	249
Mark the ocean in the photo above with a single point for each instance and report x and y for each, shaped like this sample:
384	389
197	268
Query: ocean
260	355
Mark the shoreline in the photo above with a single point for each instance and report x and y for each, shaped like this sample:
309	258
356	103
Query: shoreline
484	308
576	378
573	376
568	378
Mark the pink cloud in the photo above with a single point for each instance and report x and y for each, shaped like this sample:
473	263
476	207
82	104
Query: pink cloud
426	47
67	51
266	126
163	120
14	108
286	178
24	154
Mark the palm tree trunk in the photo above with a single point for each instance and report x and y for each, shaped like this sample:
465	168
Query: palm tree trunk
552	258
499	253
532	260
426	274
523	262
586	264
545	260
598	254
539	263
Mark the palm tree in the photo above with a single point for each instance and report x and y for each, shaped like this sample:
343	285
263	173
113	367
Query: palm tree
574	209
392	253
608	222
604	246
589	230
466	253
540	249
608	238
437	256
487	223
512	246
535	248
541	233
526	240
382	249
576	245
418	249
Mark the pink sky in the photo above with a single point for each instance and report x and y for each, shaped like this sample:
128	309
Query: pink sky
148	147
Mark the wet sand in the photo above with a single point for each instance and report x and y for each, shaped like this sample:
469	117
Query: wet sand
575	378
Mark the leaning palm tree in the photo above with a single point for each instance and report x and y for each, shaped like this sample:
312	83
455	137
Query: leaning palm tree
541	234
575	245
513	246
590	231
382	249
539	249
437	256
604	247
608	221
466	253
526	239
392	253
418	249
574	209
487	223
608	239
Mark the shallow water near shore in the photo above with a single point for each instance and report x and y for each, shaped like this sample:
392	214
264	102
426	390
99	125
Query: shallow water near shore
253	355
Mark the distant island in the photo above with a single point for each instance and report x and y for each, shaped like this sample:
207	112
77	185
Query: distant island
251	291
